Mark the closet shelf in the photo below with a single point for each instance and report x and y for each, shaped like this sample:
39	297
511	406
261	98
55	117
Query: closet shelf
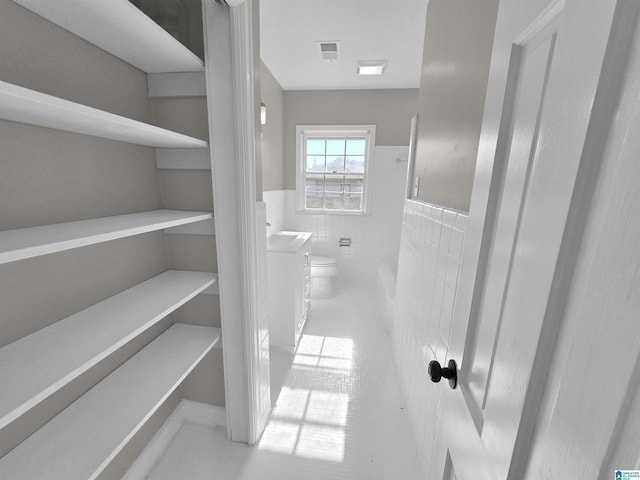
19	104
36	366
119	28
205	227
82	440
41	240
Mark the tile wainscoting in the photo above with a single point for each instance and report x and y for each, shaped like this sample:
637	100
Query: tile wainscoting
429	265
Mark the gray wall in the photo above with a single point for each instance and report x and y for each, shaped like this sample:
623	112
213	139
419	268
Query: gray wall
272	148
391	110
455	68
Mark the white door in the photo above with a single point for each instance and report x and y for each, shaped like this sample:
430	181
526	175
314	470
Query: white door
551	89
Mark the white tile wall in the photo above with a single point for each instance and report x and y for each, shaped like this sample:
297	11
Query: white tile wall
429	266
275	201
375	238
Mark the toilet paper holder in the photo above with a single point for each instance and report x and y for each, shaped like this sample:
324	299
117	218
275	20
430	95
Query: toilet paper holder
344	242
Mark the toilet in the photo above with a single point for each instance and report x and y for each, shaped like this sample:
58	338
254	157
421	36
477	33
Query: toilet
322	269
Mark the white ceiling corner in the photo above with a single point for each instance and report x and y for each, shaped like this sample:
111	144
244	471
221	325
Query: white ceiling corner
391	30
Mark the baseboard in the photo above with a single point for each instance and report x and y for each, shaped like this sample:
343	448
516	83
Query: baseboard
202	414
186	412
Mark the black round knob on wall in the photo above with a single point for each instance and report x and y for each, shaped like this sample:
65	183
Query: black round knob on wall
450	372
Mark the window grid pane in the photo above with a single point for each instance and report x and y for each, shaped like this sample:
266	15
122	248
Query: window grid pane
315	163
335	170
335	146
335	164
314	200
356	146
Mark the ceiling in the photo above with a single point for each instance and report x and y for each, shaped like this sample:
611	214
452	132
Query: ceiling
391	30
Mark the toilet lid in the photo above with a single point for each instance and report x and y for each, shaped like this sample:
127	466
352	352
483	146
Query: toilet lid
319	261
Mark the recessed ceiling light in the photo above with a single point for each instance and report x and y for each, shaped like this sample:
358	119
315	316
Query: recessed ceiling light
372	67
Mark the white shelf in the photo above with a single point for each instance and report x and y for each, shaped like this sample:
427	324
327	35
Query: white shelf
119	28
19	104
81	441
39	364
34	241
205	227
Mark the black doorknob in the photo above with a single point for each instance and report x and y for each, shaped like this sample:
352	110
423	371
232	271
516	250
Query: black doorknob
450	372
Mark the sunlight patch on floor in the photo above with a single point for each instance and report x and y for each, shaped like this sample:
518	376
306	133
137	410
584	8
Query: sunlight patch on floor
311	422
325	352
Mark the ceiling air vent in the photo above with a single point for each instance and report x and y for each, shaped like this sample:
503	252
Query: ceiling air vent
329	50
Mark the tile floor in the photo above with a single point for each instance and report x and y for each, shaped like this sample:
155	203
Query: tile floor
338	415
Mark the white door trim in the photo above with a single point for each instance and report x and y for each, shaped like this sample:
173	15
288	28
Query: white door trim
243	74
230	102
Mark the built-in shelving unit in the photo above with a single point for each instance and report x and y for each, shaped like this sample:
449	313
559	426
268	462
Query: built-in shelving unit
37	365
82	440
30	242
119	28
19	104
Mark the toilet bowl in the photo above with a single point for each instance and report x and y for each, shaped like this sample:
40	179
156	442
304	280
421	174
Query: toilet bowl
322	269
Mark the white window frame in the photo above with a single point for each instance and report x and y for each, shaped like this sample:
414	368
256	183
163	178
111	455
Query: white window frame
340	131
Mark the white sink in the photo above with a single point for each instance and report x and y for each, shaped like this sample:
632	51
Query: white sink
287	241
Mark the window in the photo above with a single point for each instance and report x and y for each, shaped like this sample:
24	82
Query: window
332	168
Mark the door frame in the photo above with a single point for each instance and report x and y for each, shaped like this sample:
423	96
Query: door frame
229	73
